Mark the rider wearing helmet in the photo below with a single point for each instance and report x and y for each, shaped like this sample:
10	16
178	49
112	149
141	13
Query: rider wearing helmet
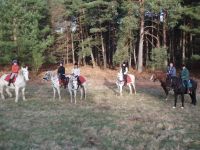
61	73
124	71
76	72
15	70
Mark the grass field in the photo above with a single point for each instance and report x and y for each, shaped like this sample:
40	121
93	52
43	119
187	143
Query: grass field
104	121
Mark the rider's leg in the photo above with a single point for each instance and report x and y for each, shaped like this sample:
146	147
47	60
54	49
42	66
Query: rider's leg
11	78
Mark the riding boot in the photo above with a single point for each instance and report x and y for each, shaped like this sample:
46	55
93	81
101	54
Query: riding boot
9	82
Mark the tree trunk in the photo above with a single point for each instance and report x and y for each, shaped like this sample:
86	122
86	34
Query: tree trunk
67	48
92	57
183	47
103	52
82	46
73	57
141	40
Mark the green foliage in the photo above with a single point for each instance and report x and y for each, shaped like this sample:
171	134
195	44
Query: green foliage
127	31
86	47
158	58
24	31
192	12
195	57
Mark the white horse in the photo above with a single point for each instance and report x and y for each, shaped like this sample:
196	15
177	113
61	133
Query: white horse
54	82
20	83
73	88
120	83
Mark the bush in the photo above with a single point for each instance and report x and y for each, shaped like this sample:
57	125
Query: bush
195	58
158	58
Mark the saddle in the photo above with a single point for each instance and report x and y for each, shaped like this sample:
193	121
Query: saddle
7	78
127	79
63	82
81	79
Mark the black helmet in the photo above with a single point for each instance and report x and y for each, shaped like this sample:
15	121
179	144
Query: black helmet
14	61
61	62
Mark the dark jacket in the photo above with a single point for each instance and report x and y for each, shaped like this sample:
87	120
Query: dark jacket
185	74
61	71
171	71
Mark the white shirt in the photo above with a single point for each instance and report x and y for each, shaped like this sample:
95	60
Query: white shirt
76	71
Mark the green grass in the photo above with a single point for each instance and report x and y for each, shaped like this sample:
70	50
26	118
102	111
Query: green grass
104	121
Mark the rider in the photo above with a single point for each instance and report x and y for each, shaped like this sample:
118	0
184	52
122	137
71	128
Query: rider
124	71
15	70
185	77
171	70
61	73
76	72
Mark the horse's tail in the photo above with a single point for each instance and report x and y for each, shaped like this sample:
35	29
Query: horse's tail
84	91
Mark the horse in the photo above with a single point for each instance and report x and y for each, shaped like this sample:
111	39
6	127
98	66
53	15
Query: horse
179	89
73	87
130	82
54	82
20	83
161	77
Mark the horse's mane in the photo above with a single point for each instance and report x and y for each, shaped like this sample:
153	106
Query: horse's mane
20	72
160	75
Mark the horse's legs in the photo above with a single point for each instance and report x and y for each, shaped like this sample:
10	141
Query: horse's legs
81	90
130	88
70	92
75	95
194	97
8	92
84	92
120	89
175	100
133	84
1	91
182	100
23	94
58	89
165	89
16	94
54	93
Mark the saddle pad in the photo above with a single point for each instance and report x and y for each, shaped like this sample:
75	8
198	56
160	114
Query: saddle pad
128	79
82	79
7	78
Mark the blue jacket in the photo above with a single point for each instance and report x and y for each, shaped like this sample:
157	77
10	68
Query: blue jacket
171	71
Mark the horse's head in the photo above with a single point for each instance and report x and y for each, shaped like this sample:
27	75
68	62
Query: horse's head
153	77
73	82
47	75
25	73
160	76
120	76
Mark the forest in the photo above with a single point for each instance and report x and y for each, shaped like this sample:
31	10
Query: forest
146	34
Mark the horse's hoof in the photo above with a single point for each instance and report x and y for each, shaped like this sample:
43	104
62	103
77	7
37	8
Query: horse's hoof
173	107
182	107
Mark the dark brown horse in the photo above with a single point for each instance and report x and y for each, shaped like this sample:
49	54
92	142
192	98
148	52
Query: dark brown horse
161	77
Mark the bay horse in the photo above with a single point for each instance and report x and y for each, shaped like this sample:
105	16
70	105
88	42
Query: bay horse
74	86
162	78
130	82
179	89
20	83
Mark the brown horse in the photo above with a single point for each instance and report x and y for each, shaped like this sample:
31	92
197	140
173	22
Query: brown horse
161	77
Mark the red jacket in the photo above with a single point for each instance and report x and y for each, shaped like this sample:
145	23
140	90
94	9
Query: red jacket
15	68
